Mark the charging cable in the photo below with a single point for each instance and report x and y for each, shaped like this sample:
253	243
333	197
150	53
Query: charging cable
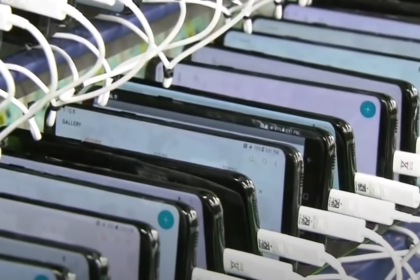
343	227
252	266
297	249
386	189
10	85
404	260
7	21
405	163
102	99
202	274
61	7
5	25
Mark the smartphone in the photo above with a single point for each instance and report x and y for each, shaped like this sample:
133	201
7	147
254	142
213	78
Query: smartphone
47	26
118	7
353	20
178	185
85	263
13	268
120	242
235	191
337	37
173	140
366	112
313	144
403	93
380	8
175	222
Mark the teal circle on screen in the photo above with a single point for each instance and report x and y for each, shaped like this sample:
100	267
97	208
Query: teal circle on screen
166	219
368	109
41	277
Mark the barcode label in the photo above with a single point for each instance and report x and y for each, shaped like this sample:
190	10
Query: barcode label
361	187
334	203
304	220
264	245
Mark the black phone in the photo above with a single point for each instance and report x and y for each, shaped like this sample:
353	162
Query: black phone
344	137
367	111
175	222
404	92
235	191
193	191
147	247
85	263
47	26
222	120
14	268
201	146
377	7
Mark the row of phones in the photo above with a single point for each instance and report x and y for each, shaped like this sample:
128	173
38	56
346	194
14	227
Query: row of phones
163	180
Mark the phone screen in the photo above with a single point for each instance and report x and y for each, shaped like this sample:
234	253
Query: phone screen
362	112
163	217
187	198
11	270
356	22
75	262
263	65
368	42
119	242
209	102
264	165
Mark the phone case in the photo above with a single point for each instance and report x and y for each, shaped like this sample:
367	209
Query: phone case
98	264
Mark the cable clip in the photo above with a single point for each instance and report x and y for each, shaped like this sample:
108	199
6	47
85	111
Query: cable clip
278	9
168	75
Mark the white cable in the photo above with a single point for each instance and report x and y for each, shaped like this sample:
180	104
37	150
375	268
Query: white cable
387	189
418	145
5	25
371	256
134	29
297	249
134	65
409	233
252	266
71	11
137	63
383	255
10	85
102	99
344	227
404	260
36	134
167	81
25	24
73	69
